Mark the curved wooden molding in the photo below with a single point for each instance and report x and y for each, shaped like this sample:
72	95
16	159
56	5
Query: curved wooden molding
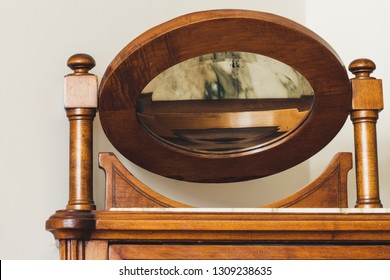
123	190
329	190
71	224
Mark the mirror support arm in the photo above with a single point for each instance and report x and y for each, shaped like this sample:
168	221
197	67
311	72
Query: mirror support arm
367	102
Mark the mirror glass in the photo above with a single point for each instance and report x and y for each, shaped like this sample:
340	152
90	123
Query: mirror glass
225	102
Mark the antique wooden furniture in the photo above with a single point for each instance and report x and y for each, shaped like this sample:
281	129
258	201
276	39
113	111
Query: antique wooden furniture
211	140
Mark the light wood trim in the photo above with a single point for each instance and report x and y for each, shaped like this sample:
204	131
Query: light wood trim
80	87
80	91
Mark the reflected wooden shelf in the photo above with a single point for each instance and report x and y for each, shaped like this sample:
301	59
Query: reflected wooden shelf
221	125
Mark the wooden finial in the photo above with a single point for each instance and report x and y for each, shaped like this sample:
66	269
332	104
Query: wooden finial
362	68
81	63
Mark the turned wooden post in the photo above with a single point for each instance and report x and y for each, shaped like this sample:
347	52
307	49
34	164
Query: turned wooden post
367	102
80	104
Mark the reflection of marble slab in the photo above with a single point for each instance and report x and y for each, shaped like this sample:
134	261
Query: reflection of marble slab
256	210
229	75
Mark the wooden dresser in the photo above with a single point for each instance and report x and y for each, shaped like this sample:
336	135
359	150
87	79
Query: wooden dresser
223	96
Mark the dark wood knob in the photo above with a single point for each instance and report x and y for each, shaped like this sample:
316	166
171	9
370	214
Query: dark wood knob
362	67
81	63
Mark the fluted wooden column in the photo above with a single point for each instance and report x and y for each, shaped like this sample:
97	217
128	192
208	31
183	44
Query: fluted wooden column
367	102
80	101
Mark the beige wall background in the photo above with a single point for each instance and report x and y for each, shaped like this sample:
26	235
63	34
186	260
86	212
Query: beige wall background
36	39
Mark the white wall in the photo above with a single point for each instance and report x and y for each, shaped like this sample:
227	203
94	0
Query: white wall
37	37
357	29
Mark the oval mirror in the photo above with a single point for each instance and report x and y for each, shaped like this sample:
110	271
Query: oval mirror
224	102
171	101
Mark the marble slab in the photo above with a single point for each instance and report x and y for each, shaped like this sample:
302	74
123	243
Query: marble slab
229	75
255	210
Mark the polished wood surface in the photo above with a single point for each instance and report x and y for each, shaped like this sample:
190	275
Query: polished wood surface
208	32
96	250
228	226
80	163
367	101
346	235
81	63
248	252
192	226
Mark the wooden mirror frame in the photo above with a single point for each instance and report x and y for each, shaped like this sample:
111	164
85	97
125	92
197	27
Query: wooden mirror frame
221	31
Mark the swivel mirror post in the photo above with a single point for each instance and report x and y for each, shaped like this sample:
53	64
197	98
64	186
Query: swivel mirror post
80	101
73	226
367	102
